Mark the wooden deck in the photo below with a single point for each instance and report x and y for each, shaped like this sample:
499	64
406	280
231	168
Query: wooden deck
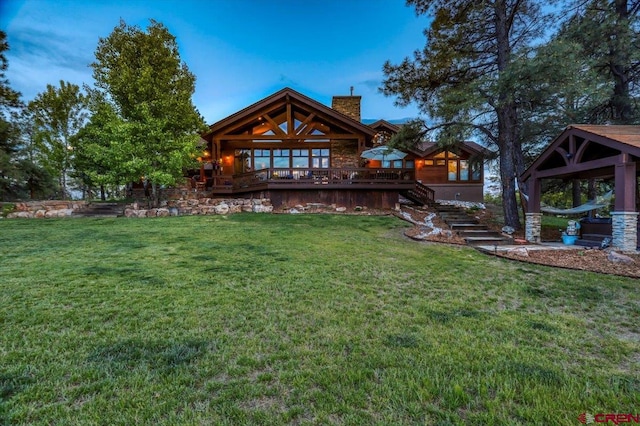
308	178
346	187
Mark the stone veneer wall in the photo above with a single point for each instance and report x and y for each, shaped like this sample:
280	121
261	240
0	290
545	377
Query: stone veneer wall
344	153
347	105
625	231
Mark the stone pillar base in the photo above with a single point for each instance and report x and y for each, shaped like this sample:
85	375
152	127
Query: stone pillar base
533	227
625	231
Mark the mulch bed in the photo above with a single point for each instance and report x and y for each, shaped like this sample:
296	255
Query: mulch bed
580	259
587	260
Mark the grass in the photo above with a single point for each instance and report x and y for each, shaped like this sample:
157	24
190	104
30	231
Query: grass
299	319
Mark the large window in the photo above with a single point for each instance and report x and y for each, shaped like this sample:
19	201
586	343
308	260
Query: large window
392	164
280	158
452	170
476	170
459	168
320	158
257	159
300	158
464	169
261	159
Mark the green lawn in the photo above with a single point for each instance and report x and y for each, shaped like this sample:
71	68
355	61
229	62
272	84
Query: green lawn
301	319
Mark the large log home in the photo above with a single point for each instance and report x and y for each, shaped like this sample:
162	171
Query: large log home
295	150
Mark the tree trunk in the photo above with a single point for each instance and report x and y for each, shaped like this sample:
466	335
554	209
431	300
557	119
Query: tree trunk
591	189
507	176
63	184
576	192
155	197
511	158
620	63
103	196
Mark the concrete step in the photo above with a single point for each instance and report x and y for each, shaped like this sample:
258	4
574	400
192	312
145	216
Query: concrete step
467	226
488	240
480	233
453	215
462	220
445	209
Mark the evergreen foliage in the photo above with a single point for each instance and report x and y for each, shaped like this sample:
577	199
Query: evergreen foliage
144	118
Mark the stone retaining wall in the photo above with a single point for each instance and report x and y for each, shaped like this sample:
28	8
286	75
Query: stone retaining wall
200	206
181	207
44	209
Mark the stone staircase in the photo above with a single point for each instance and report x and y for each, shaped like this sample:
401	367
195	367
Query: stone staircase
468	227
100	210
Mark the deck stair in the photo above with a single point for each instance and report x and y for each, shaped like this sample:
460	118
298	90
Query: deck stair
468	227
420	194
100	210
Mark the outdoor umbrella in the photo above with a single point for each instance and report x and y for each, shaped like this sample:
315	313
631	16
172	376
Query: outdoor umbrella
383	153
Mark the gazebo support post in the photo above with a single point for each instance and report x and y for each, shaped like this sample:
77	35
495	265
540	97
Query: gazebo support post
533	217
625	216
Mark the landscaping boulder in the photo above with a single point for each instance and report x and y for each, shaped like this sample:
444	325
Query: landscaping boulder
616	257
20	215
520	251
258	208
222	208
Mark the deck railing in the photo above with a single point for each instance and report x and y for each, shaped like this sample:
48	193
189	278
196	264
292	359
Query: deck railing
426	194
311	176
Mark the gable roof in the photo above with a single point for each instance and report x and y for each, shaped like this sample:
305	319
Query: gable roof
628	135
426	148
283	96
385	125
621	138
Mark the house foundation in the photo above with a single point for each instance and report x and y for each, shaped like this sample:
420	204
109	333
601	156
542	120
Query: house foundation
625	231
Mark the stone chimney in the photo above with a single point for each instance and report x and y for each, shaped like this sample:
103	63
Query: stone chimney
347	105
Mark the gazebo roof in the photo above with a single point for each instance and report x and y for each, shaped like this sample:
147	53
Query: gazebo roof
586	149
628	135
590	151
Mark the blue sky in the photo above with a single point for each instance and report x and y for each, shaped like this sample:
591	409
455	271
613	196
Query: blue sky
239	50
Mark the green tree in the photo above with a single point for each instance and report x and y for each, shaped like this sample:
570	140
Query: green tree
9	99
58	115
464	77
150	88
101	148
36	181
608	32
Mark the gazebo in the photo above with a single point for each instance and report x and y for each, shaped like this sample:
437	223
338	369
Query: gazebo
587	152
